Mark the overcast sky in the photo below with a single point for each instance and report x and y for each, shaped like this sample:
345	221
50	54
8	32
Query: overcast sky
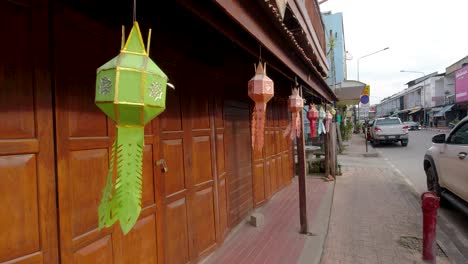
422	35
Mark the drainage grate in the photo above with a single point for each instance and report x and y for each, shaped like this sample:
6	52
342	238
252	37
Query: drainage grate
415	243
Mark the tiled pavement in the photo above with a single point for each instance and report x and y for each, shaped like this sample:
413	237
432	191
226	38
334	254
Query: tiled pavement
278	241
372	208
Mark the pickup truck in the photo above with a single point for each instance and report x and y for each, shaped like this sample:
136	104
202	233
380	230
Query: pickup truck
446	166
389	130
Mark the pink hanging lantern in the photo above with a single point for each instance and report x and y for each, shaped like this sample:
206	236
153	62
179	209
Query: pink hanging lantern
296	103
313	115
261	90
328	119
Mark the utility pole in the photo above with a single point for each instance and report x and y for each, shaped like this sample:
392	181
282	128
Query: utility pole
301	176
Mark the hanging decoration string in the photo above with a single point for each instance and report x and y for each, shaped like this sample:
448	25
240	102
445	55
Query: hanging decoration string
134	10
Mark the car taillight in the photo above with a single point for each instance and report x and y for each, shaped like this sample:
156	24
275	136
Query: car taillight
405	127
377	129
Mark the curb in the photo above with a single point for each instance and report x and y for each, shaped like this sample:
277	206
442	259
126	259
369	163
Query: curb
314	245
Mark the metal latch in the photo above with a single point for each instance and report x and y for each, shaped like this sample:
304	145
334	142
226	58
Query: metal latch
163	165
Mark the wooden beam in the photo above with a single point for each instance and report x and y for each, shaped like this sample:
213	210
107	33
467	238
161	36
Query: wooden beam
255	21
301	178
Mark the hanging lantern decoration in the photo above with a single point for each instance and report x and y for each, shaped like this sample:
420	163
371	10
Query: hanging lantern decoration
328	120
261	90
131	90
295	103
313	115
321	126
333	111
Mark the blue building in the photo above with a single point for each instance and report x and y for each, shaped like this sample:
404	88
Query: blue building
334	23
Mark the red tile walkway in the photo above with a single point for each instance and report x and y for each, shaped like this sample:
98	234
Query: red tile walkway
278	241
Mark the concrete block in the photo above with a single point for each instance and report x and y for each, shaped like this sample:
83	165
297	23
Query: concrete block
257	219
371	154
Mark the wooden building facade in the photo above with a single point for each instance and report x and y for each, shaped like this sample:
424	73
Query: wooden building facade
55	143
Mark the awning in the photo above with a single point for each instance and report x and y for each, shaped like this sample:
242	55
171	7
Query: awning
443	110
435	109
414	110
349	92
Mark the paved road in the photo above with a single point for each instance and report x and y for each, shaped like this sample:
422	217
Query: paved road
409	162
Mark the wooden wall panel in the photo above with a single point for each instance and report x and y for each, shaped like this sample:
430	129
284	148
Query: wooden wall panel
272	175
222	201
147	196
220	169
238	161
204	216
201	156
177	243
173	153
171	119
259	183
140	248
28	218
18	190
199	112
98	252
220	153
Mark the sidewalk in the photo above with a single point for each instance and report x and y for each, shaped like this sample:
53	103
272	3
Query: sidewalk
278	240
437	129
376	218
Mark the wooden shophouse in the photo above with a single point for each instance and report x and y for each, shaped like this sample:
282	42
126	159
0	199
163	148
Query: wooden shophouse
55	143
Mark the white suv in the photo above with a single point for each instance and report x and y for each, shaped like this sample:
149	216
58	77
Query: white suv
446	164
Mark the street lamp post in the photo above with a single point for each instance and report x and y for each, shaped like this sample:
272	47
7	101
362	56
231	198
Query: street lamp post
367	56
423	104
358	68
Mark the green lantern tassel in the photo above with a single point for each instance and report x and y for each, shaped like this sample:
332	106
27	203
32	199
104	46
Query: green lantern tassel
124	204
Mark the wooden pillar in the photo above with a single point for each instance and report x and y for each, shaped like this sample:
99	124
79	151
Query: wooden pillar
301	177
333	148
326	140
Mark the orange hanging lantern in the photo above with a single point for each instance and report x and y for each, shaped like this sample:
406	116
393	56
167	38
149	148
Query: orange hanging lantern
296	103
313	115
261	90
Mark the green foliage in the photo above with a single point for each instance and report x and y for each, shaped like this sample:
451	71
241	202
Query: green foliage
346	129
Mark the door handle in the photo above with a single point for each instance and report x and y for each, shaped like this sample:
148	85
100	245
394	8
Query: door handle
163	165
462	155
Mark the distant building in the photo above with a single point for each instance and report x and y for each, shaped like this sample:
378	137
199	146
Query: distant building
334	23
457	73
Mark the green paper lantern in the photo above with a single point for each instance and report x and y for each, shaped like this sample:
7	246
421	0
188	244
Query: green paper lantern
131	90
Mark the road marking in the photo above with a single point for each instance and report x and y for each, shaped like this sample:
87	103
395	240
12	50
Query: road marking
401	174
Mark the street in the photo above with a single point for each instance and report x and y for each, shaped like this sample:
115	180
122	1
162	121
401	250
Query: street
408	161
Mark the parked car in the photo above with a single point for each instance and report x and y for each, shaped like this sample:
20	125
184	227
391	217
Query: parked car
389	130
412	125
446	165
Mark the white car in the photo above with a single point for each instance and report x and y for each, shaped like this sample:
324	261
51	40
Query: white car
446	165
388	130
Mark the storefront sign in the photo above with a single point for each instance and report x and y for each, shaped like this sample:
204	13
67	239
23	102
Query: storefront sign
461	85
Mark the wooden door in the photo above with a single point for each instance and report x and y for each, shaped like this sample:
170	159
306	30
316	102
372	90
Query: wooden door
273	167
28	219
187	144
238	161
84	138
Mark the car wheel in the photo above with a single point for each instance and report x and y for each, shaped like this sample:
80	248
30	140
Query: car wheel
432	180
404	143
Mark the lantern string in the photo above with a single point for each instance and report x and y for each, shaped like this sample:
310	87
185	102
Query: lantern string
134	10
260	56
